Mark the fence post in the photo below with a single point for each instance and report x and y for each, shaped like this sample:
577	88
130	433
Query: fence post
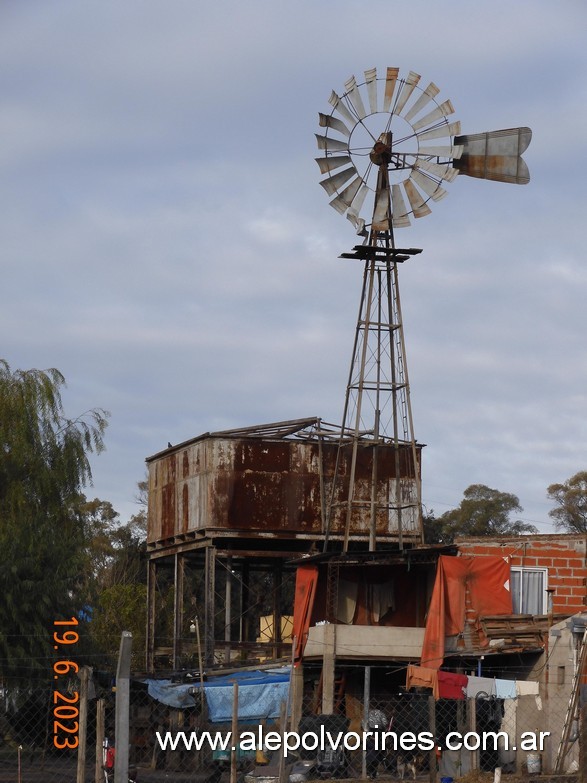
366	700
122	709
100	720
432	728
84	676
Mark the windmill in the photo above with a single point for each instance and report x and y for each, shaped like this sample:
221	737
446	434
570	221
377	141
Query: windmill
387	147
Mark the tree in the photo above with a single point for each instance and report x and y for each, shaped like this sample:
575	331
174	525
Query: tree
121	607
482	512
571	499
117	574
44	464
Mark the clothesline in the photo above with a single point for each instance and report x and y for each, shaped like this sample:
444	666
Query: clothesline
447	685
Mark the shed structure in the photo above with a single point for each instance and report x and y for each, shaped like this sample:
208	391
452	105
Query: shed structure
228	510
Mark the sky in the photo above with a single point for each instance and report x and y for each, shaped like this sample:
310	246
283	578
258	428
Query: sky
166	244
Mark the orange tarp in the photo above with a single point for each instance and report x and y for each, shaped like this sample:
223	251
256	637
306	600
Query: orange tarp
306	580
486	579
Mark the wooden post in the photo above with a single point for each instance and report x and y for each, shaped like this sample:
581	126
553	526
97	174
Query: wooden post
100	730
84	676
122	710
209	611
328	669
151	600
277	610
179	579
228	610
245	614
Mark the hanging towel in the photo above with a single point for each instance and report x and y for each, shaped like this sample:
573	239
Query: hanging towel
505	689
527	688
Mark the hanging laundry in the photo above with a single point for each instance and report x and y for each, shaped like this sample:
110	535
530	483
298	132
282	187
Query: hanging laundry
452	686
421	677
477	685
505	689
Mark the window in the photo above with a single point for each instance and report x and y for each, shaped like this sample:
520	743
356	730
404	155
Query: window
528	586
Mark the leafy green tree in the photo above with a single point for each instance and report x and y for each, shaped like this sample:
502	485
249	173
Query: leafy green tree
570	497
433	533
121	607
44	464
482	512
117	577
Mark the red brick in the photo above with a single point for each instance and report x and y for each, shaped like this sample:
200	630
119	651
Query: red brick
564	572
558	561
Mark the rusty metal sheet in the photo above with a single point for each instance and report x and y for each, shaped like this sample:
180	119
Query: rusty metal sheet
255	487
495	155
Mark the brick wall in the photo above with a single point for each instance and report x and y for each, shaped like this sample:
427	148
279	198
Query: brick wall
565	557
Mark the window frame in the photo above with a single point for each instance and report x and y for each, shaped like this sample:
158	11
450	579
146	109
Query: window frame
531	570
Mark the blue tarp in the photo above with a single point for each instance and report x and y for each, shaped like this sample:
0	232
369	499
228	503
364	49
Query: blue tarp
260	694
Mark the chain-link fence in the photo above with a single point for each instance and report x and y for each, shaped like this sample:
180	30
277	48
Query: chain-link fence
493	732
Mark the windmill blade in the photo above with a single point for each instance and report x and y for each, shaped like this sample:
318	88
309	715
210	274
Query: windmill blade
328	121
429	93
495	155
344	200
357	203
353	212
405	92
399	213
430	186
453	151
445	172
333	184
381	211
358	223
390	82
326	143
339	106
436	114
371	82
446	129
354	96
419	208
332	162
